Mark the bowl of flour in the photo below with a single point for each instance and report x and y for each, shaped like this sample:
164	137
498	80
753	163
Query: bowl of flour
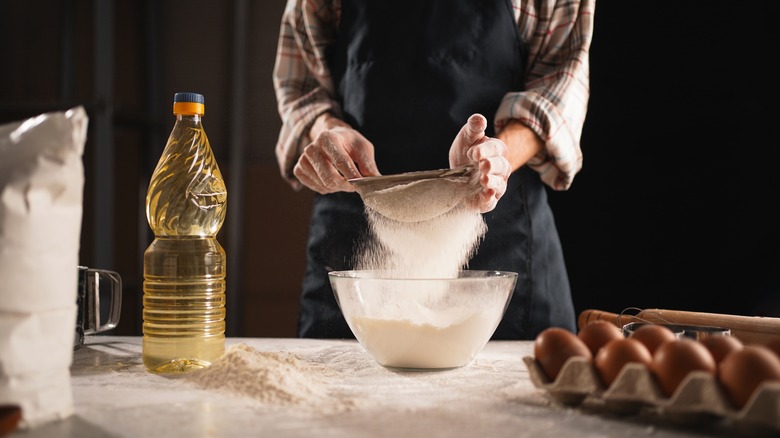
414	322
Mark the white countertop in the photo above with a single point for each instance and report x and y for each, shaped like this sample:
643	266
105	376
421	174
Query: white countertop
491	397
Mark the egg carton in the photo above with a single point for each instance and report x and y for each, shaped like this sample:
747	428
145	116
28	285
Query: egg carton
635	389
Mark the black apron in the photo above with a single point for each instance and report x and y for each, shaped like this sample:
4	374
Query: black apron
408	74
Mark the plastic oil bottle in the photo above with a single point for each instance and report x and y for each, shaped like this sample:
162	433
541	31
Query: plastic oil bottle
185	266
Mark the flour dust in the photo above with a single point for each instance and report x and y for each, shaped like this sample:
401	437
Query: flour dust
434	248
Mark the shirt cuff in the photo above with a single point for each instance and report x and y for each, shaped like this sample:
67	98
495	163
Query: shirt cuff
561	158
294	133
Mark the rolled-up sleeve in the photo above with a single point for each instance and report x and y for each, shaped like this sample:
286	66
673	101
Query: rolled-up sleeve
555	98
301	79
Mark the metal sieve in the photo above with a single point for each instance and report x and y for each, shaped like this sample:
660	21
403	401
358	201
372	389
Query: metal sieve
417	196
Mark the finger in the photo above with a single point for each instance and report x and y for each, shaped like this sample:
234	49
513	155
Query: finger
472	131
323	156
484	201
362	152
367	166
489	206
489	148
305	173
318	171
496	165
475	128
470	134
344	166
496	185
338	158
330	177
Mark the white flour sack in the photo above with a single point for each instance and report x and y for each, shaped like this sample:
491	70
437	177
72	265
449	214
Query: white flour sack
41	193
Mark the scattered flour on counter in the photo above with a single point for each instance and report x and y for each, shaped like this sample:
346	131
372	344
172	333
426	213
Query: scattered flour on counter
276	378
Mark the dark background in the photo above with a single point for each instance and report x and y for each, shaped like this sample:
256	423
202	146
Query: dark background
675	207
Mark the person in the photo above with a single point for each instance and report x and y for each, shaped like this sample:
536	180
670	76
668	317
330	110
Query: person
410	85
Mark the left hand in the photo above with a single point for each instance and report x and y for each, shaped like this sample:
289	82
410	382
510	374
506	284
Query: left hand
489	157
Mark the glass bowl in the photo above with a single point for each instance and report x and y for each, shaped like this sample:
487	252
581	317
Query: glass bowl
423	323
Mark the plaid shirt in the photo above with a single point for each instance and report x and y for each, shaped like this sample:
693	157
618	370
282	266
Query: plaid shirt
554	103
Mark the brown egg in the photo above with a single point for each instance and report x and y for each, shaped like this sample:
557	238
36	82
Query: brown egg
741	372
554	346
774	345
596	334
674	360
617	353
721	346
10	416
653	335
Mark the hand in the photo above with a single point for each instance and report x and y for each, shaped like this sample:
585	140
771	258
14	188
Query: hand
488	155
336	154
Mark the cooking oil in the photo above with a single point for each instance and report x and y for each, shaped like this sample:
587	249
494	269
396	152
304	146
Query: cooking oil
185	266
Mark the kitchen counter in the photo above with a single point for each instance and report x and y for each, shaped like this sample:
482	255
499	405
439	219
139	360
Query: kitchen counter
491	397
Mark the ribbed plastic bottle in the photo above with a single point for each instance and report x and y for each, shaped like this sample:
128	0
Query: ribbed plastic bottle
185	266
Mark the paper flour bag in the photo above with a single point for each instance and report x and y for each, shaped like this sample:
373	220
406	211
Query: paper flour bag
41	193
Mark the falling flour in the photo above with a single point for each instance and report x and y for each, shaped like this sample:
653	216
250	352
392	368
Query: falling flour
434	248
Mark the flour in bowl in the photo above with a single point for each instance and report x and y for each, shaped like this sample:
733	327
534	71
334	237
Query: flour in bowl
403	343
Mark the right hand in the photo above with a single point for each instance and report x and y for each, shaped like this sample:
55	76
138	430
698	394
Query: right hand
488	155
337	153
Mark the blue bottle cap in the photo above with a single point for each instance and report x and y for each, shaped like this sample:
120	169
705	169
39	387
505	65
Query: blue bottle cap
188	97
